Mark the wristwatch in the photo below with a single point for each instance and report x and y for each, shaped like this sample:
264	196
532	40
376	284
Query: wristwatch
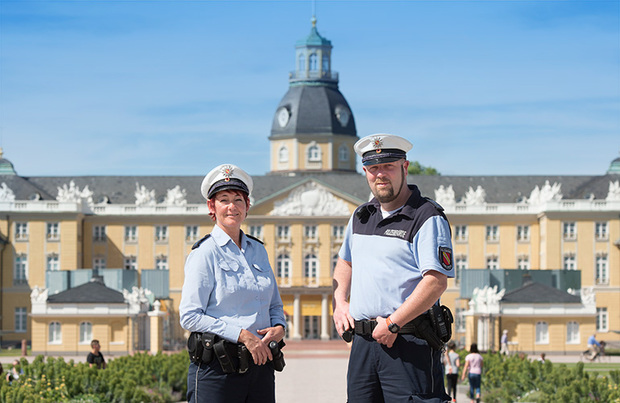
392	327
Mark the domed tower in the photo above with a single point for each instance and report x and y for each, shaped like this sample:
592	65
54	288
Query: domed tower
6	166
313	129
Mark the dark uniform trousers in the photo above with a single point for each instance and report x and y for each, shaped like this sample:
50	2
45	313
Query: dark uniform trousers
208	383
409	371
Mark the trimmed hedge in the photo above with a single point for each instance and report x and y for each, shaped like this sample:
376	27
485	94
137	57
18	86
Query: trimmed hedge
138	378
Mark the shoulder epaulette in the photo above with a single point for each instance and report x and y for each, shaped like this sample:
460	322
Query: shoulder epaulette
197	244
254	238
434	203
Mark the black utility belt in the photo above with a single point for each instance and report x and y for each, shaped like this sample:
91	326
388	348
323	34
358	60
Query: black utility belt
232	357
434	326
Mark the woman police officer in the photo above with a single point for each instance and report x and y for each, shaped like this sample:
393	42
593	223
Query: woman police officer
230	292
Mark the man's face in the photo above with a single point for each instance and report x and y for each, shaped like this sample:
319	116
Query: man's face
387	180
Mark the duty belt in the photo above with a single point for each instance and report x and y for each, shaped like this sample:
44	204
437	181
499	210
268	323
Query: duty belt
365	327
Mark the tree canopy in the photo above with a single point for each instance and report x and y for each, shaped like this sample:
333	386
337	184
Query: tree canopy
415	168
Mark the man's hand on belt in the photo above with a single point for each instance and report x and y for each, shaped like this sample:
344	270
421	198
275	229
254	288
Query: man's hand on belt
382	334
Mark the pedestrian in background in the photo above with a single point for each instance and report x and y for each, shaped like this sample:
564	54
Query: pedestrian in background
473	365
452	362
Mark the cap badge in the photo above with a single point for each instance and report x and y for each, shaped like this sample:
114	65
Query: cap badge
377	143
227	171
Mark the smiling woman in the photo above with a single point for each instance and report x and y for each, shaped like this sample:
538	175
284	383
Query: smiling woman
230	301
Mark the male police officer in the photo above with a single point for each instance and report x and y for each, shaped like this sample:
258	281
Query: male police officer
394	264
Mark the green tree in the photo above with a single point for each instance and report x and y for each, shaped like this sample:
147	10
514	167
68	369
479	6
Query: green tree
415	168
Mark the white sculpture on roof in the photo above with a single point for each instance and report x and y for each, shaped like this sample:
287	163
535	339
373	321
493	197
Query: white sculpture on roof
38	294
475	197
73	194
545	194
612	195
445	196
6	194
310	200
144	197
486	299
176	197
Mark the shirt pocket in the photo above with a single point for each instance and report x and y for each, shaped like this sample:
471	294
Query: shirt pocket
229	272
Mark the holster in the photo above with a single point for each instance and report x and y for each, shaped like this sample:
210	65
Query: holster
224	357
435	326
200	347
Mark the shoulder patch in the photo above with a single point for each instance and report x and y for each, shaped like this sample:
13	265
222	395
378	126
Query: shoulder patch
254	238
197	244
434	203
445	257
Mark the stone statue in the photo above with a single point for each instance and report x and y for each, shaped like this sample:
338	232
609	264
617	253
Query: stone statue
176	197
73	194
310	200
6	194
445	196
475	197
144	197
545	194
612	195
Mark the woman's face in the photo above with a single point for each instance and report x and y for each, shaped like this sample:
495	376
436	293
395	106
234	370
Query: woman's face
229	208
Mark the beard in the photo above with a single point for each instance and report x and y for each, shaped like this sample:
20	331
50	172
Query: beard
387	194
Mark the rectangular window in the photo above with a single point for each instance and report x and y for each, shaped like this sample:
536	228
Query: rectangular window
523	263
602	320
99	263
460	264
311	269
99	233
161	233
523	233
601	231
131	233
21	231
256	231
20	270
569	231
161	262
338	232
131	263
55	333
53	262
53	231
283	233
21	318
86	332
310	232
492	263
542	333
602	269
572	333
492	233
460	233
311	327
459	320
191	233
569	262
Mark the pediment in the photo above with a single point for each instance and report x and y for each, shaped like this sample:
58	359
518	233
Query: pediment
307	199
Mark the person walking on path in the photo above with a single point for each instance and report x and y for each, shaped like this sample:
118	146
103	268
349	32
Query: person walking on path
473	365
452	362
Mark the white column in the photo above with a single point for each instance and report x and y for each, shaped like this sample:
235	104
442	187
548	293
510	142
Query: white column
297	317
324	318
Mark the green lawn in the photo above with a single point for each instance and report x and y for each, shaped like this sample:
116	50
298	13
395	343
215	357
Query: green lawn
5	352
601	367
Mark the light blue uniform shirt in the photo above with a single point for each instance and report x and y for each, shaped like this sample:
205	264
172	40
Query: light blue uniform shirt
386	270
228	289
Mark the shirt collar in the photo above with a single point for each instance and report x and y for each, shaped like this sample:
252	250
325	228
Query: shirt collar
222	238
410	206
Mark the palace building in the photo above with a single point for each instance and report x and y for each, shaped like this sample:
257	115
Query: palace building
102	256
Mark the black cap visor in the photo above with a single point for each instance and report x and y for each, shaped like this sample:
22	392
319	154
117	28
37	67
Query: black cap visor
232	184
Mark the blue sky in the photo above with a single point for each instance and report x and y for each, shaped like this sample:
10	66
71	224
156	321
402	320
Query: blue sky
177	87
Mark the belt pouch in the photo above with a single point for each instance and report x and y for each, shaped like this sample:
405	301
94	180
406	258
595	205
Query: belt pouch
208	339
195	347
222	356
244	359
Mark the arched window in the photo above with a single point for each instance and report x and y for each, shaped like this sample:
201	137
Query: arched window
86	332
283	154
325	64
55	333
311	268
313	62
302	63
542	333
314	153
572	332
343	153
